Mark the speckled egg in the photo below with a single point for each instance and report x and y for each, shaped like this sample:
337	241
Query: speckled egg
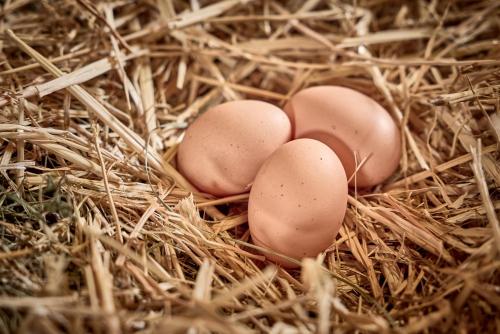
224	148
298	201
357	128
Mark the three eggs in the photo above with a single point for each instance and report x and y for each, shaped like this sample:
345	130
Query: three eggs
297	163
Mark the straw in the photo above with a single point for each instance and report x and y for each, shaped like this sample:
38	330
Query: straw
99	231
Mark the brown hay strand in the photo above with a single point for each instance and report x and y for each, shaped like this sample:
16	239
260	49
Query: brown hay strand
105	88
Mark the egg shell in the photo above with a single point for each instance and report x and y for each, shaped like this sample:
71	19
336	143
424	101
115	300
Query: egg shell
350	123
298	201
224	148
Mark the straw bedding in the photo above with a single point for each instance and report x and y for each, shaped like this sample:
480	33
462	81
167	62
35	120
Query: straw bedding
99	232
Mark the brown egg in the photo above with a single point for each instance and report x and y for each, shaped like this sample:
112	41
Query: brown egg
353	125
224	148
298	200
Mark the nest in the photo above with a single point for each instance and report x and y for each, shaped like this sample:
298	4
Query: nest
100	233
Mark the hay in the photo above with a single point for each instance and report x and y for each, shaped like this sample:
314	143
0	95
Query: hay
100	233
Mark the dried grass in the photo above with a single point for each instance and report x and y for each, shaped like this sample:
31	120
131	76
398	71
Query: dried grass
100	233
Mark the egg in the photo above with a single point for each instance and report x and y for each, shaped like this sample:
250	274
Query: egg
298	201
224	148
357	128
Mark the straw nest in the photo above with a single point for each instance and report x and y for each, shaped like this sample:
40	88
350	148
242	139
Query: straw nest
100	233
